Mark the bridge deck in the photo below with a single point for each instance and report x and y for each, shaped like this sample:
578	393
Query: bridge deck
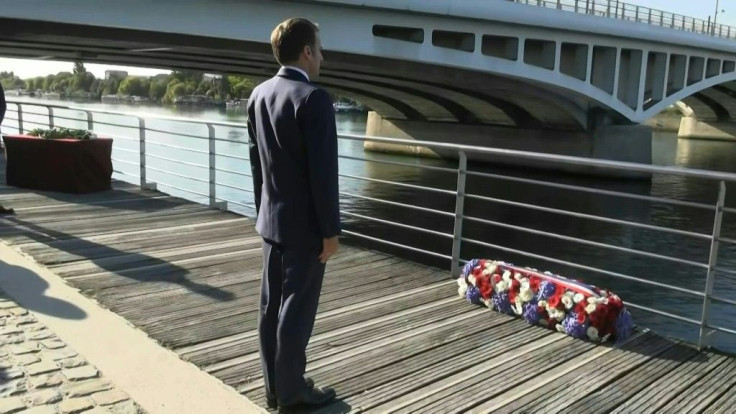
390	335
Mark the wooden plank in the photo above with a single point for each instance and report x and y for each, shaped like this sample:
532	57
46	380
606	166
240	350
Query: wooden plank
705	392
655	396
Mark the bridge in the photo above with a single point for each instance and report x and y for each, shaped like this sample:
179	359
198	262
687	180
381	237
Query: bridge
391	334
572	77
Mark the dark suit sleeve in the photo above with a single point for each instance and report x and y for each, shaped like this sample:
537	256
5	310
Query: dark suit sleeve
3	107
320	135
255	157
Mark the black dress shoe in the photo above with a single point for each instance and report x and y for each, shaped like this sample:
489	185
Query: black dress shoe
271	400
312	397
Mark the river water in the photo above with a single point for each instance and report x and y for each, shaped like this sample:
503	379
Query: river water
667	150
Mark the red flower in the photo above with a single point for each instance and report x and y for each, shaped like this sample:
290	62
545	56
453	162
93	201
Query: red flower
554	301
552	322
515	285
534	283
512	296
560	290
496	279
602	310
580	307
485	287
581	317
478	272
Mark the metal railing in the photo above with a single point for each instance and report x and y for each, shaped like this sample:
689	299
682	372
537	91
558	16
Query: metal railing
461	196
619	10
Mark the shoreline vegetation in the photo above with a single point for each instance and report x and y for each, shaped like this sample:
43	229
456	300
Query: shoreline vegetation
180	87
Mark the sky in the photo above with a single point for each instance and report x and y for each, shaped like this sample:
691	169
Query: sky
698	9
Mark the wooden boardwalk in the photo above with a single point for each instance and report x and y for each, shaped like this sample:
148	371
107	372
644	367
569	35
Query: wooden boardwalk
391	336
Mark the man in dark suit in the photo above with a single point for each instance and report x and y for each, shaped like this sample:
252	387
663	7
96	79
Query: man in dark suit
293	154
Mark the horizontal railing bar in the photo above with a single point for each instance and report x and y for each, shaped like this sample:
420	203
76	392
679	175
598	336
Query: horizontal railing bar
722	329
393	203
96	122
402	164
234	141
583	267
126	150
590	217
125	173
594	190
412	186
554	158
178	134
56	116
231	186
393	223
235	157
724	270
661	313
177	161
724	300
125	162
237	203
180	189
726	240
26	121
588	242
233	172
130	114
7	118
116	136
178	175
729	210
414	249
161	144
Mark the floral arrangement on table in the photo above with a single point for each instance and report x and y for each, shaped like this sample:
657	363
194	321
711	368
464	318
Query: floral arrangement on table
567	305
57	133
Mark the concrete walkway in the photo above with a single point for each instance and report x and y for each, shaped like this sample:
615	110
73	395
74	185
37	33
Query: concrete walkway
62	353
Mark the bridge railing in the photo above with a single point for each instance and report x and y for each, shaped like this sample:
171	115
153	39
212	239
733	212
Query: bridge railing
619	10
453	245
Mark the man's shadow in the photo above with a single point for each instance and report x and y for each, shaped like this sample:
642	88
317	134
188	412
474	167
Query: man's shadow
156	270
30	281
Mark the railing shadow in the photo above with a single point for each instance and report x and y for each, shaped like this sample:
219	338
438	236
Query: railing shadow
164	271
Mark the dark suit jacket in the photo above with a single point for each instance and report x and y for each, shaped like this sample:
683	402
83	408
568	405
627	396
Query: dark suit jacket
2	104
293	156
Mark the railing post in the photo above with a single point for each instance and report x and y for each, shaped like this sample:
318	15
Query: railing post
636	19
142	149
462	169
704	340
20	118
90	121
213	170
576	6
51	117
559	4
661	18
608	8
650	16
587	6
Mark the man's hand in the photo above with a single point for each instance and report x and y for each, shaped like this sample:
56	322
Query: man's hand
329	247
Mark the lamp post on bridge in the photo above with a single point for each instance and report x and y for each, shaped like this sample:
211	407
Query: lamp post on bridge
715	17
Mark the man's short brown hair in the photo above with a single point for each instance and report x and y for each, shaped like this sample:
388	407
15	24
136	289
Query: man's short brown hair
289	38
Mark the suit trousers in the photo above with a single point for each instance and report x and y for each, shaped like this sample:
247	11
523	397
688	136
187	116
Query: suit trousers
290	290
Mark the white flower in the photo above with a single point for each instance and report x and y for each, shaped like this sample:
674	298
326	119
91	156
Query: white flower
560	328
579	297
591	299
542	303
518	307
567	301
590	308
593	333
486	272
525	284
488	303
471	279
507	276
605	337
500	287
560	315
518	276
462	290
604	293
491	266
525	294
461	282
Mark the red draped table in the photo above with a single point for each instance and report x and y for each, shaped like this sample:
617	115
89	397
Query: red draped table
64	165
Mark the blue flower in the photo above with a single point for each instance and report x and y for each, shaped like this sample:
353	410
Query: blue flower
473	295
501	302
573	327
531	312
546	290
469	266
624	325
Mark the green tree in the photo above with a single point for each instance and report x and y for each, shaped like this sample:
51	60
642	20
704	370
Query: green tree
134	85
157	90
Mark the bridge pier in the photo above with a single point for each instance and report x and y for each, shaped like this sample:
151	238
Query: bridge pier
632	143
692	128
